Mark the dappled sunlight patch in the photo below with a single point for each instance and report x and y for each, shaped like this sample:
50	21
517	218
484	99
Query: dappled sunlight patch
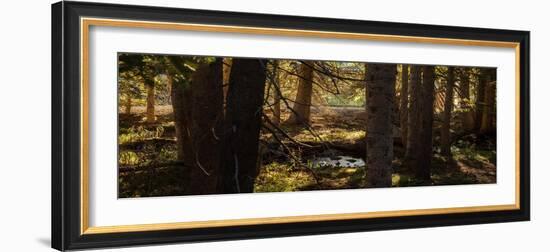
279	177
128	158
331	135
139	133
404	180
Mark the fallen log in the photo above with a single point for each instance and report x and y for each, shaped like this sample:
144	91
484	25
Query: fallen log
150	141
349	148
149	167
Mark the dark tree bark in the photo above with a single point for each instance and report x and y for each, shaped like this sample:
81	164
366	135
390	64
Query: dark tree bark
404	103
422	171
414	122
480	98
181	97
150	87
226	72
447	113
380	94
242	124
302	103
467	115
205	128
276	97
488	111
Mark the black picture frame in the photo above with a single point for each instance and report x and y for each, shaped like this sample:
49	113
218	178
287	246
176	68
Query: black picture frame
66	155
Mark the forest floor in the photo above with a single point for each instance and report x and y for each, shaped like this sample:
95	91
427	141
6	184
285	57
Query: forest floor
331	157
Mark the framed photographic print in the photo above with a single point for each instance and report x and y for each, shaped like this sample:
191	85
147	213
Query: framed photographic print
179	125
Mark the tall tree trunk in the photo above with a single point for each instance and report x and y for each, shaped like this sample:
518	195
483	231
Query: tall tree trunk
480	99
404	103
488	115
128	105
447	113
181	97
276	96
242	124
380	92
467	115
414	122
422	170
150	113
226	72
206	127
302	103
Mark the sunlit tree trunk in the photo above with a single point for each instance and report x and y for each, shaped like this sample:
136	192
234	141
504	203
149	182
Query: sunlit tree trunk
206	128
488	116
380	93
242	124
150	87
422	170
128	105
302	103
276	95
447	113
414	122
467	115
404	103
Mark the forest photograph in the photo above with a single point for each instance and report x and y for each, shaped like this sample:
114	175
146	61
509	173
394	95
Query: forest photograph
197	125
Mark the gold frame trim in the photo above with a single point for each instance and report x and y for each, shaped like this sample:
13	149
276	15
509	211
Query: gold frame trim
85	24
